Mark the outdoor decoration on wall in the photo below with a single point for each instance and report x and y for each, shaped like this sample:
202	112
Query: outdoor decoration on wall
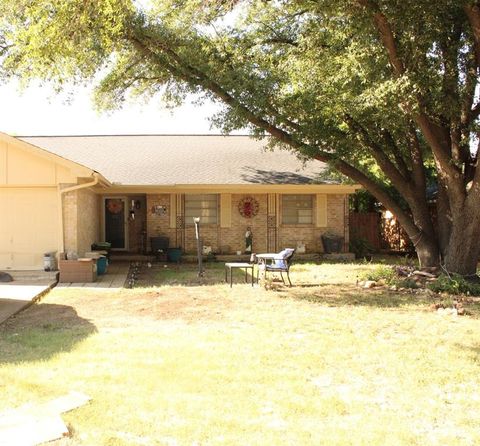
114	206
248	240
248	207
159	210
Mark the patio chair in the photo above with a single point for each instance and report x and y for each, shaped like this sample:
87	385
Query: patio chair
277	263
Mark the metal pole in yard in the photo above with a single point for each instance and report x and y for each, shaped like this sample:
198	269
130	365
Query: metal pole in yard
196	220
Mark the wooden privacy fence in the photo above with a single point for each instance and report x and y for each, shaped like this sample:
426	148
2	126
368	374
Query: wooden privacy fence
380	232
366	226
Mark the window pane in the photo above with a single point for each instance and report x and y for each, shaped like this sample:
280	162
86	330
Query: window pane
297	209
203	206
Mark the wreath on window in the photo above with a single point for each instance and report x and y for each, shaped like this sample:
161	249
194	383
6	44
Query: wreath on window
115	206
248	207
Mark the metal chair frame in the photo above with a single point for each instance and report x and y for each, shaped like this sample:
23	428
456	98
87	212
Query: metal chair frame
277	269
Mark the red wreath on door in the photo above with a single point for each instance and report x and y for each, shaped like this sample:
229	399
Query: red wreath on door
248	207
115	206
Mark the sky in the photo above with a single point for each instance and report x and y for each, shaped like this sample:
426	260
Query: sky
38	111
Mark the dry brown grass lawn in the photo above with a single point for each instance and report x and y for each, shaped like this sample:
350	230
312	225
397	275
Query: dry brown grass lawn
184	363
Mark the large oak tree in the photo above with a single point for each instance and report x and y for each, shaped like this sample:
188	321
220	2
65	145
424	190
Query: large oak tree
382	90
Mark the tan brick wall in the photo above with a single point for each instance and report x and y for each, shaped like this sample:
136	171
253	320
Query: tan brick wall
88	220
159	225
310	235
234	236
81	220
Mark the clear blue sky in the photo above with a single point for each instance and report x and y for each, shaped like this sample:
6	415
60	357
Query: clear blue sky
38	111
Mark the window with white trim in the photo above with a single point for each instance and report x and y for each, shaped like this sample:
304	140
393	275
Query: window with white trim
297	209
204	206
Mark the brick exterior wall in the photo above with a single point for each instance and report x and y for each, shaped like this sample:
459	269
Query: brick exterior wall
159	225
82	210
88	221
310	235
232	239
81	222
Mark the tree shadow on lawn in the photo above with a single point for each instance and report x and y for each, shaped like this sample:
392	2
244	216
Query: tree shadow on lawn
343	295
42	331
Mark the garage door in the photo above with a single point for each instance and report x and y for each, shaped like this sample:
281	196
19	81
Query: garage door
28	226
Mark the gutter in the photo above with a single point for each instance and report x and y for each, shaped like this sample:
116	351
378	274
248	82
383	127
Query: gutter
94	182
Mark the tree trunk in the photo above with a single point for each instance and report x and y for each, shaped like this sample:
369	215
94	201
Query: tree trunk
444	218
427	251
463	250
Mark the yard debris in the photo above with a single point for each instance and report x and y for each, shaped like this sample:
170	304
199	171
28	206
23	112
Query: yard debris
424	273
32	424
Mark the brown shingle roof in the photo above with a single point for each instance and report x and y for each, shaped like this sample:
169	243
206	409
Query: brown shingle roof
181	159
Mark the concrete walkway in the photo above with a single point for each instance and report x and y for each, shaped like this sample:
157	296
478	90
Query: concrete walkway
27	286
114	278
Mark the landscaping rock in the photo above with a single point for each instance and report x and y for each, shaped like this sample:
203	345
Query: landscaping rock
370	284
423	273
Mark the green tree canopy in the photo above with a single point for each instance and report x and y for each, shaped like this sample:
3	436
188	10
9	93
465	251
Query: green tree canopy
382	90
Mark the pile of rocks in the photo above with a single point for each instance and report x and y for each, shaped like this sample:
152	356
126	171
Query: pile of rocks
455	309
419	277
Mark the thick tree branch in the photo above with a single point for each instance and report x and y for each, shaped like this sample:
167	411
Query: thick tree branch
437	136
192	75
398	180
376	190
394	149
386	35
473	14
418	169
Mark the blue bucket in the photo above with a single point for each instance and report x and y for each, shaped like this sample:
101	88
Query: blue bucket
101	265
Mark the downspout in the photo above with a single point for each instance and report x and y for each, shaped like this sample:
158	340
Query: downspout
94	182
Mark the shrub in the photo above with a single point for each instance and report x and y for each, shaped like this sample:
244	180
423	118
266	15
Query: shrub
381	272
454	284
406	283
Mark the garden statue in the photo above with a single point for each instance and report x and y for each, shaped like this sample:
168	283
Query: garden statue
248	240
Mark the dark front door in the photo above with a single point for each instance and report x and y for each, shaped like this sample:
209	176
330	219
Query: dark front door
115	222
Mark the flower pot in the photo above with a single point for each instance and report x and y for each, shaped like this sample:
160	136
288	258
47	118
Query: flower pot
174	254
332	243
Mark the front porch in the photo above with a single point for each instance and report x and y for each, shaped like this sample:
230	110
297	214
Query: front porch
131	221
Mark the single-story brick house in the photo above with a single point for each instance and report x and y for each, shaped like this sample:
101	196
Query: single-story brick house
65	193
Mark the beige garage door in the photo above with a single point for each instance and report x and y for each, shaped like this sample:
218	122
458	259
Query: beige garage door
28	226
